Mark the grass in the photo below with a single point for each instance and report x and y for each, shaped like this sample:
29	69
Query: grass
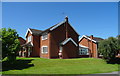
58	66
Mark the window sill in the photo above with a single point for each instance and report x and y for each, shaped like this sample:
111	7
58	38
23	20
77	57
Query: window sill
44	53
44	39
82	54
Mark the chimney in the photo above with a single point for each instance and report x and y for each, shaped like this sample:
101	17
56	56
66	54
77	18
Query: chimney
66	24
92	51
66	18
91	36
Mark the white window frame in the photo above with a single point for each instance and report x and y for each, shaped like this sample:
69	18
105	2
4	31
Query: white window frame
44	35
83	54
29	39
42	50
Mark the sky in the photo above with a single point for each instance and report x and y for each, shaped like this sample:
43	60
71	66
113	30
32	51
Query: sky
99	19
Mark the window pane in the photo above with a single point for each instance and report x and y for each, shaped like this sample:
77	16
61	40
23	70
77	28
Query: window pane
45	49
44	37
83	51
29	38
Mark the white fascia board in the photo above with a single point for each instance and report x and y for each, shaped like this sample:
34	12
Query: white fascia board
69	40
57	25
82	46
61	24
87	38
73	28
31	43
28	31
81	38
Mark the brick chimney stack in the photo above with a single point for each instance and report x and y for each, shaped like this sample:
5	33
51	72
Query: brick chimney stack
92	51
66	24
91	36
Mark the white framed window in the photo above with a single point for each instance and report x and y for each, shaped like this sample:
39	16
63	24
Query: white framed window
83	51
44	49
29	38
45	36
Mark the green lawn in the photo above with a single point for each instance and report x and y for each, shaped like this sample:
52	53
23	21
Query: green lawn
58	66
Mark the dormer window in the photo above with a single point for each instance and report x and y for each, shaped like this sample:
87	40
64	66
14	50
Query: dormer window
29	38
44	36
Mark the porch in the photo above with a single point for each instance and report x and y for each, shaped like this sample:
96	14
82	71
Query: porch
26	50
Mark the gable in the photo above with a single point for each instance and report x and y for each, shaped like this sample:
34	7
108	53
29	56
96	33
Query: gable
67	40
28	31
33	32
83	40
87	38
28	34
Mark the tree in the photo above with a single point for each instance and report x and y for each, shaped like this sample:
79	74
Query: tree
108	48
0	44
118	37
10	44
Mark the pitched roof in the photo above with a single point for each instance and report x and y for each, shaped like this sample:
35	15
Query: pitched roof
67	40
38	32
33	31
84	36
21	40
52	27
28	44
95	39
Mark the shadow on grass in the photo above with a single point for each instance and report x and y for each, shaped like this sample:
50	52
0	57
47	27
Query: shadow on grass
17	65
114	61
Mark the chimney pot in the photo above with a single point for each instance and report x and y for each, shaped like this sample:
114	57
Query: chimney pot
66	18
91	36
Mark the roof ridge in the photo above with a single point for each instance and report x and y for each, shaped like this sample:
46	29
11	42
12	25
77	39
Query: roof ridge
35	29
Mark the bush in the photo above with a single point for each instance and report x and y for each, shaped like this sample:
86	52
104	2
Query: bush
108	48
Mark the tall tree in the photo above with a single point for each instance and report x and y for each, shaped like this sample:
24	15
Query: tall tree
10	44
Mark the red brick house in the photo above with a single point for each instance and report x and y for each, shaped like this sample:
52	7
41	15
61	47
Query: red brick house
88	46
22	41
58	41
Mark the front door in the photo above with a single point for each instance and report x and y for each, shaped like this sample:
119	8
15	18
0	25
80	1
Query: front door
60	52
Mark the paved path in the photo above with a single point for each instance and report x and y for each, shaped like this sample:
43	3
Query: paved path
116	72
